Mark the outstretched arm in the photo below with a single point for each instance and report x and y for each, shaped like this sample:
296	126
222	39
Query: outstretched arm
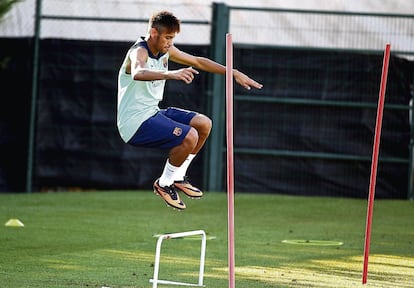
245	80
139	69
208	65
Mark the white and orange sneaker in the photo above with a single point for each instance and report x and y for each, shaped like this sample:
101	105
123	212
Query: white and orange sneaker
187	188
169	195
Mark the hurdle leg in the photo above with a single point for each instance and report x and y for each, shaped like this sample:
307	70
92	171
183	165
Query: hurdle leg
157	261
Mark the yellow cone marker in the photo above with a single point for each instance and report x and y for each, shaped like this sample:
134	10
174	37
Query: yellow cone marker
14	223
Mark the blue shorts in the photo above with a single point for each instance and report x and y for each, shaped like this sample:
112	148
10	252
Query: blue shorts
166	129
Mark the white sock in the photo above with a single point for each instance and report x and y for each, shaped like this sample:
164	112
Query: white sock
182	171
167	177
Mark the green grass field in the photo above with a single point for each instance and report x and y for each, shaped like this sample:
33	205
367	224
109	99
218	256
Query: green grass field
106	239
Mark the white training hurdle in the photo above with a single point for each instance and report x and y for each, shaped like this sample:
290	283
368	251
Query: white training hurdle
162	237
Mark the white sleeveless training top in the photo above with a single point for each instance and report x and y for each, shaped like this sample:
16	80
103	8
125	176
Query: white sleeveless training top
138	100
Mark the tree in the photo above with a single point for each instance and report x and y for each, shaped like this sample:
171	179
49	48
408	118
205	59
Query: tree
5	6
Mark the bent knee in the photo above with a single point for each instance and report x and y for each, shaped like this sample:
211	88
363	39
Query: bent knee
191	138
202	123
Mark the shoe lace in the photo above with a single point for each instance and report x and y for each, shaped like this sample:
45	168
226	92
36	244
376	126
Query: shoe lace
186	179
171	191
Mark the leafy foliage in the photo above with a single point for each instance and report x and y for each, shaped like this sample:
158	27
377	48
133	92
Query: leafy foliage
5	6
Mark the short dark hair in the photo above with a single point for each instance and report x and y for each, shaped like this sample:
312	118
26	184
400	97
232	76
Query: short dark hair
165	20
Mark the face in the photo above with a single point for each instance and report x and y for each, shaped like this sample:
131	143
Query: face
162	40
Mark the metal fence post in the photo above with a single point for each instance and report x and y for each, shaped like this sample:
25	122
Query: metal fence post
33	104
410	194
213	167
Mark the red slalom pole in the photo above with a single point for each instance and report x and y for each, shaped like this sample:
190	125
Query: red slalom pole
374	163
230	160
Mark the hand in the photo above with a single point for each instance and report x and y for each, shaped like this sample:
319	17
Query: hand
245	80
184	74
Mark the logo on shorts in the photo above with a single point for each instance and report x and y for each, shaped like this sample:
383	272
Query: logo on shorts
177	131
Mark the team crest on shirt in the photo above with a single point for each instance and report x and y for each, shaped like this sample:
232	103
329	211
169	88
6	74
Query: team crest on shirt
177	131
165	62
